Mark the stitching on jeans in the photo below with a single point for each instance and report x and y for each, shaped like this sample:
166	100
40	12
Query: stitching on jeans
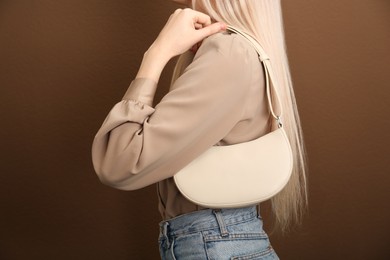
269	250
172	253
242	236
242	218
205	246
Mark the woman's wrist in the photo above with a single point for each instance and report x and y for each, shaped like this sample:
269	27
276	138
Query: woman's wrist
153	63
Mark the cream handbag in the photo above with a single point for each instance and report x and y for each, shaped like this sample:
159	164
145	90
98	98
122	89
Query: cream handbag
241	174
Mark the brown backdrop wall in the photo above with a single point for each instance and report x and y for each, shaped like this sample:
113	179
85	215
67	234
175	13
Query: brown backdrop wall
63	64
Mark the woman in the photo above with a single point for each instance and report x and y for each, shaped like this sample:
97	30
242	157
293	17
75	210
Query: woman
217	97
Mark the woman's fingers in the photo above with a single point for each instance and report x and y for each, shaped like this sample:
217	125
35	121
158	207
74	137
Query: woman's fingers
202	23
201	18
210	30
198	26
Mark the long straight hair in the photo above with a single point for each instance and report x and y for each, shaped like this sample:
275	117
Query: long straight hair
263	20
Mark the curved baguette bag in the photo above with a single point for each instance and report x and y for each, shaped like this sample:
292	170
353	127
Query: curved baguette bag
242	174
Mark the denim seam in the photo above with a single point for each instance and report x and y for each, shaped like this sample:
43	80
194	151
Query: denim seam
230	222
242	236
205	246
269	250
241	219
172	252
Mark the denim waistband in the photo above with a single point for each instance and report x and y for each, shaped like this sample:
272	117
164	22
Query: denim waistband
206	219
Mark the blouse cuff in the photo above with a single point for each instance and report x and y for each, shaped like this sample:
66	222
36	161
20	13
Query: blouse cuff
142	90
124	112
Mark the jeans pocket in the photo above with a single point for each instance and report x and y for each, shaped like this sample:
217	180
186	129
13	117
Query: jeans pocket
266	254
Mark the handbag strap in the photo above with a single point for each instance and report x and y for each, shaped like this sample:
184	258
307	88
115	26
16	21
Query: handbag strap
269	77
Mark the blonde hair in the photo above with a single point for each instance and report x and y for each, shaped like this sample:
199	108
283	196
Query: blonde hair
263	20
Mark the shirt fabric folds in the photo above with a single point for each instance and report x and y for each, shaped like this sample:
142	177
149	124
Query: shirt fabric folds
218	100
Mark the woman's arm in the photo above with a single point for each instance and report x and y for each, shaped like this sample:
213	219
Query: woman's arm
138	145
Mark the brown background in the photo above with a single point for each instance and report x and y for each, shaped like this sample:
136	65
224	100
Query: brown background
64	63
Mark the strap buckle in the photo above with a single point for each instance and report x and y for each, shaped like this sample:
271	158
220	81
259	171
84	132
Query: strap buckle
279	121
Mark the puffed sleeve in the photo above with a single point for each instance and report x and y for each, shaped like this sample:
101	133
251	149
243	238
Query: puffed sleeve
138	145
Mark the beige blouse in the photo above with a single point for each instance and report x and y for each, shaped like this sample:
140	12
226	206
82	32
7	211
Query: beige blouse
218	100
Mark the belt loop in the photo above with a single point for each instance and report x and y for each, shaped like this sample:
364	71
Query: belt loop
164	231
221	222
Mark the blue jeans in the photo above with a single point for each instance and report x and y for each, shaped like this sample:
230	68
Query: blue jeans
215	234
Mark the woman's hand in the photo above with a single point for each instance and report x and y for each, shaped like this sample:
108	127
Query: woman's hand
184	29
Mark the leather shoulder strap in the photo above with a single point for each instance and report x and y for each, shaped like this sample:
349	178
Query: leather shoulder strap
269	76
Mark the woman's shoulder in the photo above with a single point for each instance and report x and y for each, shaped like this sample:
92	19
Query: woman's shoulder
229	45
